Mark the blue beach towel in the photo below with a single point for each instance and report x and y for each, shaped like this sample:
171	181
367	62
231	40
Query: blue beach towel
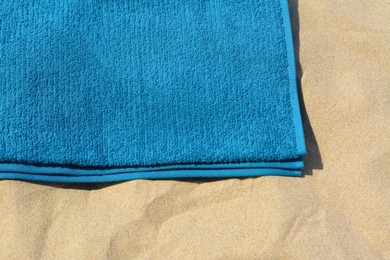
111	90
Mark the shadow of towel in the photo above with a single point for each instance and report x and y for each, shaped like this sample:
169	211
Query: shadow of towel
313	158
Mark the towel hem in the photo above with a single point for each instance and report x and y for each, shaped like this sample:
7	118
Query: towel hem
297	119
170	174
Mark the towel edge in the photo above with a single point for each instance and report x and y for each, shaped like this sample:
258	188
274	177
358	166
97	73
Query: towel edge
297	118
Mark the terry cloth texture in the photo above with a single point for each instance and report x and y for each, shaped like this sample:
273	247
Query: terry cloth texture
103	90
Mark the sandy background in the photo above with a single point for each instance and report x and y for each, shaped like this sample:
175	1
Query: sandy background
340	209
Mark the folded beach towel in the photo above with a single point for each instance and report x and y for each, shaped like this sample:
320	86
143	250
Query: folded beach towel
111	90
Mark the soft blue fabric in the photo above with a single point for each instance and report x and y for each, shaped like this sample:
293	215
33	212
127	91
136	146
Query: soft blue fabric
110	90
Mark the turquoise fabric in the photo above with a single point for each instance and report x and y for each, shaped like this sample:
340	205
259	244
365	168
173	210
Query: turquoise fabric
108	90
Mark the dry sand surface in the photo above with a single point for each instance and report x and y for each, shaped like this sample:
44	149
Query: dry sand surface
340	209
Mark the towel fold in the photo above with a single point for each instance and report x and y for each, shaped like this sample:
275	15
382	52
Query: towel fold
107	90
